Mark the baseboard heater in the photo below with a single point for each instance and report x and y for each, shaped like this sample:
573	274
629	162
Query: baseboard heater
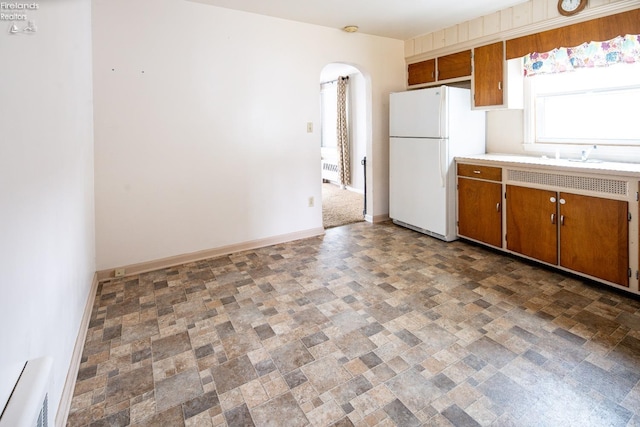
329	171
28	403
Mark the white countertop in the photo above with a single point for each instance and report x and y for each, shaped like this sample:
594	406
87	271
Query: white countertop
601	168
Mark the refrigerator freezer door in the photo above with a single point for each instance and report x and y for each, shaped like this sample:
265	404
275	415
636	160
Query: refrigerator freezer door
418	113
417	184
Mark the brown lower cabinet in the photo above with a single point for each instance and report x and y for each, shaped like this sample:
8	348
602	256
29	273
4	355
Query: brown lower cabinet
582	233
594	237
532	223
480	210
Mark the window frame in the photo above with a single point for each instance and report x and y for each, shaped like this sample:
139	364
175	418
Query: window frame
612	149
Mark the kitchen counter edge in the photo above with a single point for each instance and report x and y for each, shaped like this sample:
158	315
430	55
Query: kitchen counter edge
507	160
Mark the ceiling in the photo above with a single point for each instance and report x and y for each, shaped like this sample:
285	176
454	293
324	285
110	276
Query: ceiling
398	19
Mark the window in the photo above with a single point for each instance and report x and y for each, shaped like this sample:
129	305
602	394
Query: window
585	106
587	94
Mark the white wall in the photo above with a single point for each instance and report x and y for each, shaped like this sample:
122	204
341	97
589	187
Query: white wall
505	131
208	147
47	254
358	95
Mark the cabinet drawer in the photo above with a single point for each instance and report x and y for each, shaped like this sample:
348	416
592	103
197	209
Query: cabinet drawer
481	172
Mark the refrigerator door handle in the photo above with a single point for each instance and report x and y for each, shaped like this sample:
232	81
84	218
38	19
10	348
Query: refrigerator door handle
442	153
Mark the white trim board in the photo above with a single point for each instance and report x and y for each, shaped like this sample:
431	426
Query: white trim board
74	366
172	261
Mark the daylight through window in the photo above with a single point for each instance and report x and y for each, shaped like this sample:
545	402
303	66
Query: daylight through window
587	105
588	94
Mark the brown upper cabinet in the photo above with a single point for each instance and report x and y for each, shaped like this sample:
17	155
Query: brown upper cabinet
422	72
456	65
490	85
488	75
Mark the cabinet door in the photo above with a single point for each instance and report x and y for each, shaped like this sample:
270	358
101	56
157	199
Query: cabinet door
454	65
422	72
532	223
488	75
480	210
594	237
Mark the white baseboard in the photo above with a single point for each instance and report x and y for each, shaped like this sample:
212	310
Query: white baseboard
70	383
147	266
377	218
355	190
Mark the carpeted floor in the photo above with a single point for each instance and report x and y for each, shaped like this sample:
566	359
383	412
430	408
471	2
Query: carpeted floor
340	207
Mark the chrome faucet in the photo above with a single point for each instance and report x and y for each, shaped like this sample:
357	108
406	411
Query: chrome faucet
585	154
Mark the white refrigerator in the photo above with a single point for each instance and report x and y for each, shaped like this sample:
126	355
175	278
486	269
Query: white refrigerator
428	128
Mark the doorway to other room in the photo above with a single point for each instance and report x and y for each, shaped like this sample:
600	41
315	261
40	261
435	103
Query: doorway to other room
343	144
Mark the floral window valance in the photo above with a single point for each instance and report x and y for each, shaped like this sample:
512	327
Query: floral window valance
595	54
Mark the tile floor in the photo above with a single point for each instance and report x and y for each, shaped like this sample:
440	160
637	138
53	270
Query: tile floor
370	325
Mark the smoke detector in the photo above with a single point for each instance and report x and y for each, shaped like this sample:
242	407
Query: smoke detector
350	28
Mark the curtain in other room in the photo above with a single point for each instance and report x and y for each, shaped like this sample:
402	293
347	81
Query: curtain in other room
344	161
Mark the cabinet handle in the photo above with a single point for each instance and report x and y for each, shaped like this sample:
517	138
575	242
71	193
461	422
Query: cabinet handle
498	207
561	219
553	218
478	172
499	85
433	75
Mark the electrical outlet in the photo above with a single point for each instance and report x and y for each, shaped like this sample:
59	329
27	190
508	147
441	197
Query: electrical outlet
311	202
119	272
309	127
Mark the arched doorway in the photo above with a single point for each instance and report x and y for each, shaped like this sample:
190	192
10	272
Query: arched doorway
345	204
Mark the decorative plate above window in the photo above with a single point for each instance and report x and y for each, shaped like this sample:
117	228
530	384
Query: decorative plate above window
571	7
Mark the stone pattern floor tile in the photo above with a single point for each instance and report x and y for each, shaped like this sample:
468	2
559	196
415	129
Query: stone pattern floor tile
368	325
